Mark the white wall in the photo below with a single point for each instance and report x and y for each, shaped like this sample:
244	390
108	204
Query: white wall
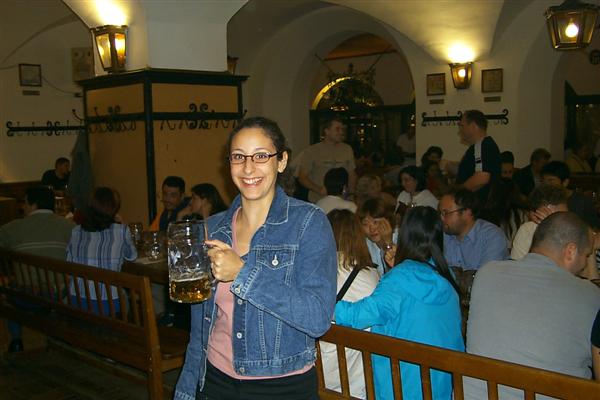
37	33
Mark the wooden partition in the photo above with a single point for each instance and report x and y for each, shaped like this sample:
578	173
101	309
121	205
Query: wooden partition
146	125
494	373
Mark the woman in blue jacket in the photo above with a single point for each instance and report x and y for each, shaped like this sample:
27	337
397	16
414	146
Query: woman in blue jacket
416	300
274	258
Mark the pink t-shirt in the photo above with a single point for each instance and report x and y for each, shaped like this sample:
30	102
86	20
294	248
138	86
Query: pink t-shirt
220	348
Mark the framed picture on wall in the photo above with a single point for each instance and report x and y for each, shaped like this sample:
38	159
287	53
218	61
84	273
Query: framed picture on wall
30	74
436	84
491	80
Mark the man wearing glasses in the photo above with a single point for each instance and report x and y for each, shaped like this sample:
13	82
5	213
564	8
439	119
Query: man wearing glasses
469	242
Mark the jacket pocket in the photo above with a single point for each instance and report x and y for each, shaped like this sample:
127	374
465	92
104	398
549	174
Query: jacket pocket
276	257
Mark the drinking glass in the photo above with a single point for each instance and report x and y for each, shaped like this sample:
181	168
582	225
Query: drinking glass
190	279
154	245
136	234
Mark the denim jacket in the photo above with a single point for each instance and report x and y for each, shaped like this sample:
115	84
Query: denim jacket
284	295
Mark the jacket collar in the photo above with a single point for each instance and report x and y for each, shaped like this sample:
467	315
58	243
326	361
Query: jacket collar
278	213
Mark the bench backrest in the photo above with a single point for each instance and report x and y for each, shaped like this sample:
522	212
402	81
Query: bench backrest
494	372
46	283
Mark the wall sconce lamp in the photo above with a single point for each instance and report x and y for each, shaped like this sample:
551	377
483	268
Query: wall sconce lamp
461	74
111	44
571	24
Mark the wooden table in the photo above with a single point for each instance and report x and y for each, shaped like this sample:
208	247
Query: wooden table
157	271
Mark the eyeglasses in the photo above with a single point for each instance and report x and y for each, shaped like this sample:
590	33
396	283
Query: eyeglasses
445	213
257	158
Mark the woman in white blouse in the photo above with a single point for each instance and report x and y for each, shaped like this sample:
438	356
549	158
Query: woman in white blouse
352	254
415	191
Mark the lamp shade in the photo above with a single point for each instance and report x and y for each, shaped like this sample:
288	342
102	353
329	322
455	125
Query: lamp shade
111	44
571	24
461	74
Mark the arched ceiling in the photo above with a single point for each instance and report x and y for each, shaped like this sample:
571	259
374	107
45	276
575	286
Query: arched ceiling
440	27
450	31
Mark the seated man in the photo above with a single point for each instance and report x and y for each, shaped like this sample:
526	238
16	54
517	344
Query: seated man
173	199
58	178
469	242
536	311
336	182
41	232
558	173
543	201
528	177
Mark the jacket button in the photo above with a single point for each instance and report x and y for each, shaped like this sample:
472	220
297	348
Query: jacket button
238	335
237	290
240	301
242	370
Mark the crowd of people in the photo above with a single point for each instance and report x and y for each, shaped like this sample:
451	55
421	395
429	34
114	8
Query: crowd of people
392	263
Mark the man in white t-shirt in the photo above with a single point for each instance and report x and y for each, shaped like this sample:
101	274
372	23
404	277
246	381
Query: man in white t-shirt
336	181
319	158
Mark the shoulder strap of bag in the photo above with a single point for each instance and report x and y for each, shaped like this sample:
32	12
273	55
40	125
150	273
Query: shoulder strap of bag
347	284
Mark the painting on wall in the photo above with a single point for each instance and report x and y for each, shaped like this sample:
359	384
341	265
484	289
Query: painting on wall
82	61
436	84
30	74
491	80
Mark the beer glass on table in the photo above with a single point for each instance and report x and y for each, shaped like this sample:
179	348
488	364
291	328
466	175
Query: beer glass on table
190	278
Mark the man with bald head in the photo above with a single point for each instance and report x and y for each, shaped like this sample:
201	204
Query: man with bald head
536	311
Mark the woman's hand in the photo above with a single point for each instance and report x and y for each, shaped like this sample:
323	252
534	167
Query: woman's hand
390	255
225	263
187	210
385	231
540	214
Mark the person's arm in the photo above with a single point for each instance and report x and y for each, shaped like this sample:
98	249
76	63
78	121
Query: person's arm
376	309
449	167
187	210
521	243
477	181
129	250
309	184
304	279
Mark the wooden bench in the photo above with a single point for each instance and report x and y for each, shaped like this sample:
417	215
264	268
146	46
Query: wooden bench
494	372
34	293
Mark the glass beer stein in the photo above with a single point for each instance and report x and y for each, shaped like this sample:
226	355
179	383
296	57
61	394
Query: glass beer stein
190	278
154	245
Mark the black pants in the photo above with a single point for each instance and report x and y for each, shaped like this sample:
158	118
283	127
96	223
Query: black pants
220	386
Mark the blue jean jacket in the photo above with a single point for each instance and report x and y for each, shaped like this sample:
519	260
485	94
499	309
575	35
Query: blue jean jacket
284	295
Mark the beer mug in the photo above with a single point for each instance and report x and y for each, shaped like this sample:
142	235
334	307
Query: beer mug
136	229
154	245
190	278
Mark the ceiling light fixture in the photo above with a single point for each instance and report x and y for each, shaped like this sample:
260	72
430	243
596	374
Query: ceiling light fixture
571	24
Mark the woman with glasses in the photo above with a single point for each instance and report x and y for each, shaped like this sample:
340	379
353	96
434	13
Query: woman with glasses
417	300
274	261
378	222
